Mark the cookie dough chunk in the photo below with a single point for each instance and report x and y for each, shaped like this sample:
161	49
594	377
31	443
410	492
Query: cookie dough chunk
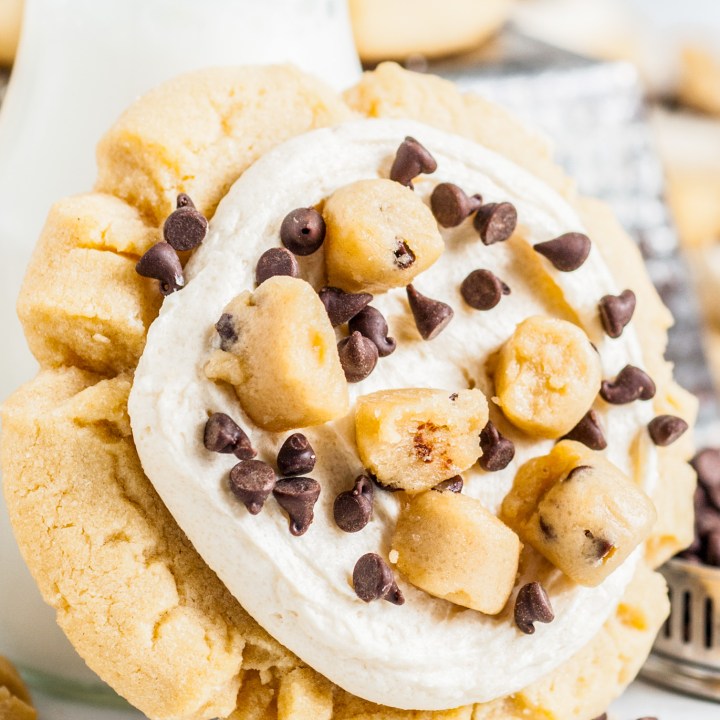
380	235
579	511
281	357
89	242
15	701
414	438
547	377
452	547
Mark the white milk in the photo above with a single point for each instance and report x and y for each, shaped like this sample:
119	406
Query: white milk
80	63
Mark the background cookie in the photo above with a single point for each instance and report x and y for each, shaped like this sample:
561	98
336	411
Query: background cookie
130	592
15	703
396	29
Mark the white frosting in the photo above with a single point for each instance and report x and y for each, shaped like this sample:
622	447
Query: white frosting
428	653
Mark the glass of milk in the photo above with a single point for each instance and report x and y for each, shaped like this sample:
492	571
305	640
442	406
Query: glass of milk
80	63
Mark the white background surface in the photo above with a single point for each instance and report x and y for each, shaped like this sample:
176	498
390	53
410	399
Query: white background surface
640	701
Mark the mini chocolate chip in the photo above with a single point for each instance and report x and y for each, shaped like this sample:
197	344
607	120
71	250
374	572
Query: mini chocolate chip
600	548
162	263
431	316
496	222
353	508
223	435
497	450
185	228
411	159
616	312
707	466
297	496
251	481
546	529
588	431
454	396
601	717
358	357
631	384
374	580
296	456
567	252
532	605
343	306
712	549
404	256
666	429
371	323
303	231
482	290
453	484
225	327
450	204
276	261
577	470
707	514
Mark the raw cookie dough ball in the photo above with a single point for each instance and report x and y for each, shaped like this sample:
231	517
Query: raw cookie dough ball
547	377
414	438
279	352
380	235
579	511
386	29
452	547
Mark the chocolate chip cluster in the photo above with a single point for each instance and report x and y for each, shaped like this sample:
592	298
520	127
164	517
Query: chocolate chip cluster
706	545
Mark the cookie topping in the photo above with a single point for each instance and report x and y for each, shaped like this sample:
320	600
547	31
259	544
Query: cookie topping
631	384
496	222
450	205
251	481
431	316
162	263
296	456
303	231
185	228
297	496
223	435
567	252
358	356
371	323
589	432
374	580
404	256
276	261
353	508
453	484
225	327
532	605
411	160
342	306
616	312
497	450
482	290
666	429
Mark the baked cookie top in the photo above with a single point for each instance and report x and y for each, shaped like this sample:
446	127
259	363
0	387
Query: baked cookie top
527	350
78	498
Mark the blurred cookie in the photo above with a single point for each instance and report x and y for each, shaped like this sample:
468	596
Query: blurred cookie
15	703
397	29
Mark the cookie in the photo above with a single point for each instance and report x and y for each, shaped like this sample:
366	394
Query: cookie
10	20
15	703
121	574
397	29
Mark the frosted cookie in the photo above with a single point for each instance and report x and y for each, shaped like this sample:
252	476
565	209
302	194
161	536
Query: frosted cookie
15	703
397	29
224	509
